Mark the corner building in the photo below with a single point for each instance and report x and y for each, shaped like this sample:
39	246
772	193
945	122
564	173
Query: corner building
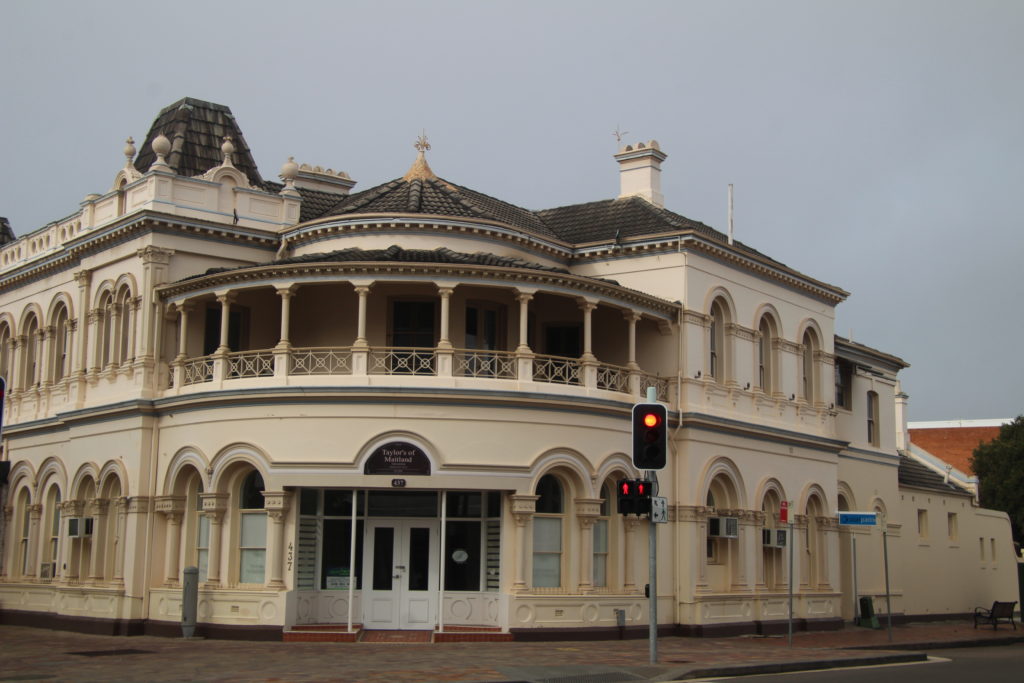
407	407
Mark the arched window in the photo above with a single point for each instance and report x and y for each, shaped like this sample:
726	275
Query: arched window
252	530
106	321
24	536
112	543
31	365
61	330
814	544
51	551
5	353
547	534
601	536
808	370
771	553
716	342
125	343
765	360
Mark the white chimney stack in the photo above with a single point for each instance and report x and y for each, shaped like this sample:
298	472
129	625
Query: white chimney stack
640	171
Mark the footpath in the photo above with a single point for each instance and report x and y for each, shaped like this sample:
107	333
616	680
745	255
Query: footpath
28	654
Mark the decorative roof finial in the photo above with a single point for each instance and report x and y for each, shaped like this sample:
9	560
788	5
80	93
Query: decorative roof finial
129	150
420	170
289	171
421	143
619	134
161	147
227	149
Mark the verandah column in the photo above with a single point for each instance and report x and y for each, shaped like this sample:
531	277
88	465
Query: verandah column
632	318
360	347
284	345
444	351
220	356
524	354
587	359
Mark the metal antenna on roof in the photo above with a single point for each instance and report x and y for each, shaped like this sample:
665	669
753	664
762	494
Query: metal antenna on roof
618	134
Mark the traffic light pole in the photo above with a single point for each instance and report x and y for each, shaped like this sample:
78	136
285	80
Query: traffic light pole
652	553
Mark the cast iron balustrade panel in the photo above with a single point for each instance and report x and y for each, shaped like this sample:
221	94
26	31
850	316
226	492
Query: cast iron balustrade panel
251	364
496	364
613	378
556	369
402	361
198	370
321	361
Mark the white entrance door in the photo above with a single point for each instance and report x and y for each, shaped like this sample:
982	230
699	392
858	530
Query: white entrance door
400	574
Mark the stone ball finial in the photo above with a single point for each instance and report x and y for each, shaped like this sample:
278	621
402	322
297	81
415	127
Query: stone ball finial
227	148
129	149
161	145
290	169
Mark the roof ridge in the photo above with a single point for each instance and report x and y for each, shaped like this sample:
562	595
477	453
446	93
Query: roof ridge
449	189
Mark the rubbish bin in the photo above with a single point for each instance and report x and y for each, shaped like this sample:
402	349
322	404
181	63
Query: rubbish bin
867	617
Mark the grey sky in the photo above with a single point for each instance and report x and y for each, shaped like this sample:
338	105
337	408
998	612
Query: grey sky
876	145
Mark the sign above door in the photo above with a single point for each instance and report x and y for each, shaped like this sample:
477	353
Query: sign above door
398	457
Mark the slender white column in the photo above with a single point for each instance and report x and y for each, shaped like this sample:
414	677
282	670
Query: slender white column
523	507
446	295
286	294
632	318
588	309
183	311
363	291
225	321
524	317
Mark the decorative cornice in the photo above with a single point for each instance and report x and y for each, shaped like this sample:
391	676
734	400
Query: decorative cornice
740	332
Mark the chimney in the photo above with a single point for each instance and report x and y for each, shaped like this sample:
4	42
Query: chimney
640	172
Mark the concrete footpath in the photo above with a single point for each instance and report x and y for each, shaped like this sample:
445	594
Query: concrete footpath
28	654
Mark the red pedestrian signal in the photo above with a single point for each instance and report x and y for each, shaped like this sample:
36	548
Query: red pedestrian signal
634	497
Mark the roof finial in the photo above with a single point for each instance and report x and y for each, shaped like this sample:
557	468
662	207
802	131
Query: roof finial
129	150
420	170
227	149
161	147
618	134
421	143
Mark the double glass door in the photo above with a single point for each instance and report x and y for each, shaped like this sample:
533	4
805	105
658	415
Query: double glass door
400	582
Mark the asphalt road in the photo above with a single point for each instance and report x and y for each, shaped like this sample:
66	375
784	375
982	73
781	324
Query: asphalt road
983	664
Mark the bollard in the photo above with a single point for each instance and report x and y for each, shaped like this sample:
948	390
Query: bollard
189	601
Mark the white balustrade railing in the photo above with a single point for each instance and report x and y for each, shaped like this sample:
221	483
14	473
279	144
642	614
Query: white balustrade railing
250	364
613	378
402	361
556	369
497	364
321	361
662	386
198	370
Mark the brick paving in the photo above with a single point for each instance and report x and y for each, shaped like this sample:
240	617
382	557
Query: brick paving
28	654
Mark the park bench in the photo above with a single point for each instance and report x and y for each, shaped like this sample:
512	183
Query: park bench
999	610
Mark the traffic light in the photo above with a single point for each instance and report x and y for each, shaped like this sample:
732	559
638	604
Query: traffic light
650	436
634	496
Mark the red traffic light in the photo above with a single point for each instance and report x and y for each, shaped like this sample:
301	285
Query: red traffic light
651	420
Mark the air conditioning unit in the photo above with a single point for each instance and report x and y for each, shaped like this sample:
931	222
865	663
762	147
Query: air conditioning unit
46	570
723	527
79	527
774	538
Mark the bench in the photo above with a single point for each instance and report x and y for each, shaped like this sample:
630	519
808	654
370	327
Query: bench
999	610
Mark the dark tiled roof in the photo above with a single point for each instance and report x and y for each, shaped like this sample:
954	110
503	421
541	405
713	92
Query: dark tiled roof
395	253
437	196
912	473
315	203
610	220
196	130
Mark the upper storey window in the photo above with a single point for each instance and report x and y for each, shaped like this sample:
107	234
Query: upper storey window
765	355
716	342
873	418
844	384
808	370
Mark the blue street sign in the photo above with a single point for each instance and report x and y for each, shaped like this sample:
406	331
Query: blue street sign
858	518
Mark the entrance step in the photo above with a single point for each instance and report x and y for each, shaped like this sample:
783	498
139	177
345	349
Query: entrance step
322	633
472	634
396	636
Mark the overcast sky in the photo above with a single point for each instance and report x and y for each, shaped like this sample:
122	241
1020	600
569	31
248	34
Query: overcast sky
875	145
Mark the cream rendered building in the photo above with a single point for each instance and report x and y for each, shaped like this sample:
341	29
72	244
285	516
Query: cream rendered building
407	407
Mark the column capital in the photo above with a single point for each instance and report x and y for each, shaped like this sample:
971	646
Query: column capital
286	291
225	296
214	502
445	291
588	508
631	316
586	304
35	510
83	277
98	506
151	254
276	501
169	505
138	504
523	508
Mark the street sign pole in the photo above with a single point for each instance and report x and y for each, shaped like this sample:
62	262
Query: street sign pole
652	556
856	601
790	543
